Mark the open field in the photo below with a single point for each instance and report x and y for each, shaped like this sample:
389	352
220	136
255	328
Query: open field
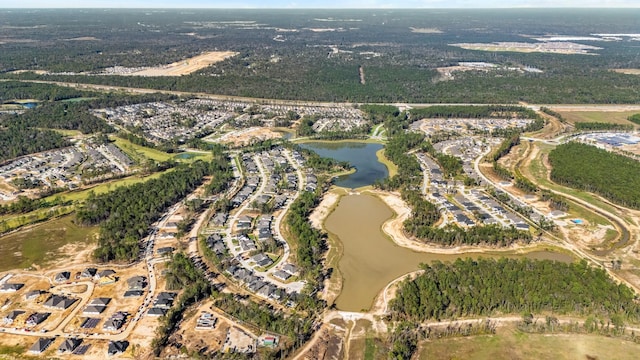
615	117
186	66
15	221
566	48
627	71
104	187
512	344
425	30
42	243
137	151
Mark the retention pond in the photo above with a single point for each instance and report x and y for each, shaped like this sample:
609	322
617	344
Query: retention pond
371	260
362	156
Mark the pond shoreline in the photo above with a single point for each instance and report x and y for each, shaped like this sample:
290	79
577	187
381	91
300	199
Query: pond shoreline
401	258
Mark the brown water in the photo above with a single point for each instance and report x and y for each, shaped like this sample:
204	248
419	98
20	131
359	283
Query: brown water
370	260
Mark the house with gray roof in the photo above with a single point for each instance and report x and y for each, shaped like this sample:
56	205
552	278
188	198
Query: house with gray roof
101	301
62	277
284	276
69	345
33	294
117	347
11	316
10	287
59	302
93	310
262	260
41	345
88	273
137	283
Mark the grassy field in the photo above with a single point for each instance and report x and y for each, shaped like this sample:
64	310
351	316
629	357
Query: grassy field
141	153
12	222
105	187
511	344
616	117
393	168
42	243
68	132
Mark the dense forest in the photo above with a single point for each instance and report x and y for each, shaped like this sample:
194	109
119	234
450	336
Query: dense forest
311	243
14	90
126	213
399	64
62	115
17	140
588	168
487	287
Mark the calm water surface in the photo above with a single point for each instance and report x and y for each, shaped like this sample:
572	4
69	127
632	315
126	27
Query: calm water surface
370	260
362	156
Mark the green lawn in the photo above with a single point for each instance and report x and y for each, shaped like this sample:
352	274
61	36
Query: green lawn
140	153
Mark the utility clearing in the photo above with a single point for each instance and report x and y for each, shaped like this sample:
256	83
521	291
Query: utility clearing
187	66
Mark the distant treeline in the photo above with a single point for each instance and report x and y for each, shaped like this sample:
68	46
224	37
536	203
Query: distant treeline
602	126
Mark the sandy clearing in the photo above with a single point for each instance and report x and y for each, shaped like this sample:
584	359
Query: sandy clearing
248	136
186	66
323	209
627	71
82	38
592	107
425	30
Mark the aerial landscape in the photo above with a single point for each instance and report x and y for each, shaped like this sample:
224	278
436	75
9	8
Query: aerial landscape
188	183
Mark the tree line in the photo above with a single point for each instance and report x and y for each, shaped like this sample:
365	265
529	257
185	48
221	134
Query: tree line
602	126
635	118
484	287
473	112
596	170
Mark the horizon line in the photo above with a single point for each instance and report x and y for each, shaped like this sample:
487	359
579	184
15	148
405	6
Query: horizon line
327	8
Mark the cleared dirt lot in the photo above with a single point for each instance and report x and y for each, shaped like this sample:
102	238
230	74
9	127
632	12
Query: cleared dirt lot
186	66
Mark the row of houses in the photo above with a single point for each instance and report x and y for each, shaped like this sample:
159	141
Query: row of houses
75	346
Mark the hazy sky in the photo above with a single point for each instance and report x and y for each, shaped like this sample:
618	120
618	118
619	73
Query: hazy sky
315	3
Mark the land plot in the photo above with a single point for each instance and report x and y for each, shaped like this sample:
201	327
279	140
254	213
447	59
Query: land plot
615	117
186	66
515	345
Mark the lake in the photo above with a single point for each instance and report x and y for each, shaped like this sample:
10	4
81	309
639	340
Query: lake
362	156
370	260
